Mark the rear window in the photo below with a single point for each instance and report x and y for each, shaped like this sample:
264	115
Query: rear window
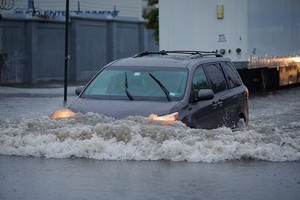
232	76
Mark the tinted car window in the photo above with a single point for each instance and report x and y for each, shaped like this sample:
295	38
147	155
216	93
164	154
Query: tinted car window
216	77
232	75
199	80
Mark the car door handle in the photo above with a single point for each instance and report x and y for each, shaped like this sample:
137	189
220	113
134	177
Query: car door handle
220	103
217	104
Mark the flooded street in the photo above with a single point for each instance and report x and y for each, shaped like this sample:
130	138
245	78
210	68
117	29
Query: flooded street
95	157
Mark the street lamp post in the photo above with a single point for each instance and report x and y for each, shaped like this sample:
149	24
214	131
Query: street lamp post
30	3
66	51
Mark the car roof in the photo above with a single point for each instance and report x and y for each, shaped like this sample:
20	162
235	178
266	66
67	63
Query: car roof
180	59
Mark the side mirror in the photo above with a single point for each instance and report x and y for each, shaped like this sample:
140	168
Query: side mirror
79	90
205	94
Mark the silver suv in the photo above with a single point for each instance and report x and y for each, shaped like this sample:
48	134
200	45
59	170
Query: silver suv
201	89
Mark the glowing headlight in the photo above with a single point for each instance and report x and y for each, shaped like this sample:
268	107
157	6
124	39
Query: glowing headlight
63	113
165	118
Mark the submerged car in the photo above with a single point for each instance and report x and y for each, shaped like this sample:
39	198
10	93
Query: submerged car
201	89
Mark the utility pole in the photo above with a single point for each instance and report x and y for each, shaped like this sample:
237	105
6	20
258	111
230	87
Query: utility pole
66	51
30	3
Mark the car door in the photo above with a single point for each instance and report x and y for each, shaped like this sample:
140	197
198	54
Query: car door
218	84
206	113
232	101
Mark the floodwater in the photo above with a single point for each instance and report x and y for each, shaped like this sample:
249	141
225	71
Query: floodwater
95	157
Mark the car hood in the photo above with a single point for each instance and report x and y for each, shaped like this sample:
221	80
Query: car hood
121	109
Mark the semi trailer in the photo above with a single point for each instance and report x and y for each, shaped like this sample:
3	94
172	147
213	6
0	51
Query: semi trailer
262	38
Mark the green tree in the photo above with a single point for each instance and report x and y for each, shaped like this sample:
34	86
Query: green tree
152	18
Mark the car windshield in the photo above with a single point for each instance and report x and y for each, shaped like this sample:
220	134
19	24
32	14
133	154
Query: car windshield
123	83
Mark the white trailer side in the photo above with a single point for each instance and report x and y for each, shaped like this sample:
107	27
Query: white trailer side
255	34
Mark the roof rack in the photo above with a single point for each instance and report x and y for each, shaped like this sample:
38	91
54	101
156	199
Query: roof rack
195	54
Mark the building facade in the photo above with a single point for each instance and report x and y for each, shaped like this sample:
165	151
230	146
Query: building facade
108	8
32	39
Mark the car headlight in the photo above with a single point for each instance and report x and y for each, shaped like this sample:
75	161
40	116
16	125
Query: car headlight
63	113
165	118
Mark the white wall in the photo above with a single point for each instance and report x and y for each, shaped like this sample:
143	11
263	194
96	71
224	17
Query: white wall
193	25
260	28
274	27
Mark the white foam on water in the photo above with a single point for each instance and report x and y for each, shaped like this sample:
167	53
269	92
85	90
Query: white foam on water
136	138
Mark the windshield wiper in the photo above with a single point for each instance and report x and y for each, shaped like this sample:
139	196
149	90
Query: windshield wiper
163	88
126	88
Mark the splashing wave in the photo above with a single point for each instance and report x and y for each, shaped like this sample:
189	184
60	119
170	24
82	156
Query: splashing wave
136	138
